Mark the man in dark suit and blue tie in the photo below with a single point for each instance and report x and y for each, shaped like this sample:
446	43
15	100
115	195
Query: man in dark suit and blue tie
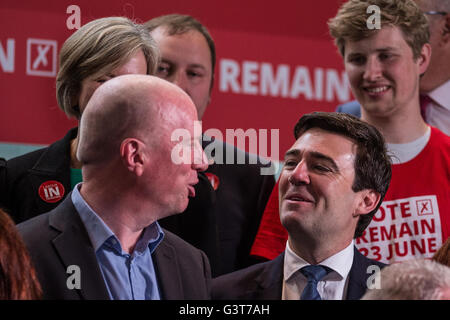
333	181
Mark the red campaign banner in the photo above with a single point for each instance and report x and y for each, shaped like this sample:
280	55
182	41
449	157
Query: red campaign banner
274	64
268	82
403	229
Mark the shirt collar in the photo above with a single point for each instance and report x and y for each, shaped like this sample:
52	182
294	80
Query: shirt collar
151	237
340	262
441	95
99	233
292	262
97	230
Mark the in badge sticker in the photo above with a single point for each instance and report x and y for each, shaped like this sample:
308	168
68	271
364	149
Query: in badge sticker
51	191
213	179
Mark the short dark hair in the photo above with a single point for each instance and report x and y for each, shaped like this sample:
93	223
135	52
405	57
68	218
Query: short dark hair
179	24
372	163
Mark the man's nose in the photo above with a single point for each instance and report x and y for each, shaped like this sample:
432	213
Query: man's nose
373	70
181	81
300	175
200	162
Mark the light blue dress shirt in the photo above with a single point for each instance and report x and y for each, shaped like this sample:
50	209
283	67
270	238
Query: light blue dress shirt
127	276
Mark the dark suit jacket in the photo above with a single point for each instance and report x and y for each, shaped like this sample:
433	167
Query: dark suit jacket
227	228
264	281
241	198
223	222
352	107
19	185
58	239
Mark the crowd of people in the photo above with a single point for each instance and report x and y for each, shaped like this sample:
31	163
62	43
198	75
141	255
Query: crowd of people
130	222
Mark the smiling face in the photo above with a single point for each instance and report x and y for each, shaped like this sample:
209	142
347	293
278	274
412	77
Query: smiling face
383	74
186	62
315	188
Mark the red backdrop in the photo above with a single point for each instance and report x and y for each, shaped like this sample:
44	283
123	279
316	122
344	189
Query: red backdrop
275	62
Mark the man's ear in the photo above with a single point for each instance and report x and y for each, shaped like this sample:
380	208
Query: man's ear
424	58
132	154
446	31
368	202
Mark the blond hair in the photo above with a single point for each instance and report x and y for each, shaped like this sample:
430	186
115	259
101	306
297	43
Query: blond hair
99	46
350	23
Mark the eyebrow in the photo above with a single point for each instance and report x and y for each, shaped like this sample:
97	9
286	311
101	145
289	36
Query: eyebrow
192	65
196	65
315	155
292	152
384	49
321	156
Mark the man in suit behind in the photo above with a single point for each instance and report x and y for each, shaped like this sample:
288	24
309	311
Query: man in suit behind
333	181
104	241
227	229
352	107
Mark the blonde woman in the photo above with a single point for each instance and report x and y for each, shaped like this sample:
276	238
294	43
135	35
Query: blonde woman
102	49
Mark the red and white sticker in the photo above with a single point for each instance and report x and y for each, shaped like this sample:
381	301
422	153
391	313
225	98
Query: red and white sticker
51	191
213	179
403	229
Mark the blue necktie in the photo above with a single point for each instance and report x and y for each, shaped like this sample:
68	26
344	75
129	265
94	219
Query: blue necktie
314	274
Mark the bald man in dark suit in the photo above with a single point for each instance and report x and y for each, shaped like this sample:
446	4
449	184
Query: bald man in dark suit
104	241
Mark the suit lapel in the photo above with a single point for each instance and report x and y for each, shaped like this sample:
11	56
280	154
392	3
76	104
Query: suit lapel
168	273
269	282
358	275
54	164
74	248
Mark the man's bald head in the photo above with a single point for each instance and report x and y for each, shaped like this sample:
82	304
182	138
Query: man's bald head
130	106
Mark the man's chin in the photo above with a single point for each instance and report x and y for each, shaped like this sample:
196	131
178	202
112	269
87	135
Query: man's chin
183	206
176	208
293	221
378	109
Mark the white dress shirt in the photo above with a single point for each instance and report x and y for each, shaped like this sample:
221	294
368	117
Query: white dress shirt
332	287
437	112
